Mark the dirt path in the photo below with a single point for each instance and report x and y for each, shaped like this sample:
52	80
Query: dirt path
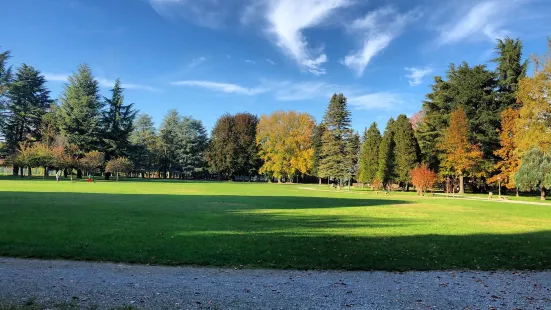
439	196
59	284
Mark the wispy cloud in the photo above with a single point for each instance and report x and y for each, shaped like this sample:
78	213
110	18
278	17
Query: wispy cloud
484	20
56	77
103	82
377	29
416	75
205	13
288	19
377	101
271	62
252	62
223	87
196	62
288	91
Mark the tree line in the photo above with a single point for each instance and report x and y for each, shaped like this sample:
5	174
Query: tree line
477	128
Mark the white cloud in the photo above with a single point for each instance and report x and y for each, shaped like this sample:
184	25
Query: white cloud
378	28
196	62
205	13
485	19
103	82
288	19
56	77
223	87
252	62
288	91
271	62
416	75
377	101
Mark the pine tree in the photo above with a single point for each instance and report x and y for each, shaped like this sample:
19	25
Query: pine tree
369	158
28	101
510	69
191	142
117	122
168	146
334	158
353	154
317	143
221	153
406	149
387	161
5	79
80	110
144	144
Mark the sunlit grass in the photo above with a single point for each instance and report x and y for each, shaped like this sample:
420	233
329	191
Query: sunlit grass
267	225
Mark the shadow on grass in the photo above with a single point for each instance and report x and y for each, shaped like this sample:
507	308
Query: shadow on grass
254	231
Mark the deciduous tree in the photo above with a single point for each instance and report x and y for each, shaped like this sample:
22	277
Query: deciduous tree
534	123
118	165
423	178
509	161
460	156
535	171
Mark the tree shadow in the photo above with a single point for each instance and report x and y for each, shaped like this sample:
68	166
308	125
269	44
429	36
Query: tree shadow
254	231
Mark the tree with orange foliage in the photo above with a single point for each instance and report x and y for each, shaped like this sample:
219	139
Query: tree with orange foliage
423	178
510	161
460	155
284	141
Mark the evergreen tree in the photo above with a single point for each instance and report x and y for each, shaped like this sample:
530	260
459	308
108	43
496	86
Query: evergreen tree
168	134
80	110
436	109
191	141
353	154
117	122
406	149
387	161
28	102
317	143
535	171
144	142
335	161
222	147
510	69
369	158
5	79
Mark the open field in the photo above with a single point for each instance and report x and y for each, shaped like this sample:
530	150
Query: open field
267	225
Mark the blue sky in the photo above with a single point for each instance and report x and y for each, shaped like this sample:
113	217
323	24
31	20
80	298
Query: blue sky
207	57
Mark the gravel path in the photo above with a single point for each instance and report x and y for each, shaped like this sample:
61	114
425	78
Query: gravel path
107	286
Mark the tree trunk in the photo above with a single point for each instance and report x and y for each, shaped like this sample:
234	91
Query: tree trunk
21	171
30	172
542	193
407	186
320	181
461	185
278	180
65	173
117	176
45	172
79	174
15	170
517	191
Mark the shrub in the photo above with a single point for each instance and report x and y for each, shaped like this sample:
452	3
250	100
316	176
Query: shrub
423	178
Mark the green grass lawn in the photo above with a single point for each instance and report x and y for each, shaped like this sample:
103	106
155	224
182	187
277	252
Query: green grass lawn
267	225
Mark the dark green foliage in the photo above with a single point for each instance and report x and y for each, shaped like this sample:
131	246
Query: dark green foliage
317	142
510	69
28	101
335	161
406	149
387	156
80	110
144	144
117	122
168	136
353	154
5	79
183	141
232	149
369	157
191	145
436	107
